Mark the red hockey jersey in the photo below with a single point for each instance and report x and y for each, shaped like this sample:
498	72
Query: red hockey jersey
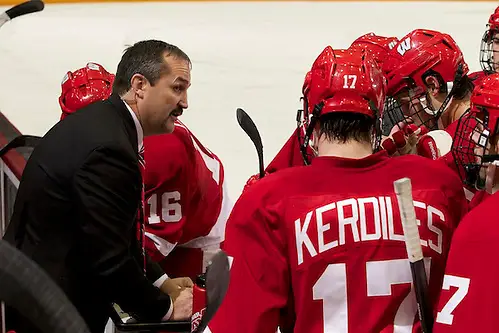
470	293
322	246
187	201
448	158
289	155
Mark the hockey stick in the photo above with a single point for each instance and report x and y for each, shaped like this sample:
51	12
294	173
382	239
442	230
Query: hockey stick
24	8
20	141
403	190
217	282
249	127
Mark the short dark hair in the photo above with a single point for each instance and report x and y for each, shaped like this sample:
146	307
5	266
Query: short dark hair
464	88
347	126
147	58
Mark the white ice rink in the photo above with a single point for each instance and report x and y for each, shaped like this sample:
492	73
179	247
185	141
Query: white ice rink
249	55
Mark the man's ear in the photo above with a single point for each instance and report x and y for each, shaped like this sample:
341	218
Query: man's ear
138	83
433	85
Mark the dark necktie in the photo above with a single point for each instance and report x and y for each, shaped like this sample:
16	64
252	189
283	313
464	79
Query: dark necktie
141	222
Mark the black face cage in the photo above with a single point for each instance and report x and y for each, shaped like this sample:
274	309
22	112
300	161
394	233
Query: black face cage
306	124
470	149
411	109
392	116
416	107
487	51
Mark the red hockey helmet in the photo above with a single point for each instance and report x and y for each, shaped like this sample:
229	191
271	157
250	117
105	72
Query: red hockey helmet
304	115
488	42
418	55
84	86
476	130
419	52
342	81
346	81
378	45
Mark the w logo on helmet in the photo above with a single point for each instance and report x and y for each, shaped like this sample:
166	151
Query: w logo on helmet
404	46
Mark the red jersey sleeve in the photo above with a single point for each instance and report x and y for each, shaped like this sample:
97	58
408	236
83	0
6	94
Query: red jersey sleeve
470	293
259	283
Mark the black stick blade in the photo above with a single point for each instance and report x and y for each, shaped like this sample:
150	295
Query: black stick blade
249	127
217	283
24	8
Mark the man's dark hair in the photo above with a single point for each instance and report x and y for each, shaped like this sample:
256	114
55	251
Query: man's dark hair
346	126
147	58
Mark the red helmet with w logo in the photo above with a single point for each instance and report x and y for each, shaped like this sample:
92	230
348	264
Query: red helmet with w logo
419	52
417	56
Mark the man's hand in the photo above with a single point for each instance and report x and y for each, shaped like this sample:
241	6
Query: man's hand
174	287
404	138
182	306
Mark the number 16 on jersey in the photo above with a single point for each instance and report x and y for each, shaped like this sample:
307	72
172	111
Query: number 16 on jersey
403	190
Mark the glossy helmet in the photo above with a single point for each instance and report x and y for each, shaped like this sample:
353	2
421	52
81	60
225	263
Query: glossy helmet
379	46
475	130
418	55
487	44
84	86
343	81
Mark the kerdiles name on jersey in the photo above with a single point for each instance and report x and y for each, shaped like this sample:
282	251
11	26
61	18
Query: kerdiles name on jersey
365	219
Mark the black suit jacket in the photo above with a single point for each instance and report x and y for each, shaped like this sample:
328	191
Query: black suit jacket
75	214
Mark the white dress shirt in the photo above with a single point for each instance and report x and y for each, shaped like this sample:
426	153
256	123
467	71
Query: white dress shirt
140	140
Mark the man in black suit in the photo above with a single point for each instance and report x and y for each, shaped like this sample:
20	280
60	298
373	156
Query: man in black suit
80	194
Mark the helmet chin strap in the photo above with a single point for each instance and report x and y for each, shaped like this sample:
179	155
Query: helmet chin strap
314	143
448	100
450	85
308	131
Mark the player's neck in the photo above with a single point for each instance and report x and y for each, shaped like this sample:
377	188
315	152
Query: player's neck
456	109
351	149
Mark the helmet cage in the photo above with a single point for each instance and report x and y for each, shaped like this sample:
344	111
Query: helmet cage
487	50
471	147
413	105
